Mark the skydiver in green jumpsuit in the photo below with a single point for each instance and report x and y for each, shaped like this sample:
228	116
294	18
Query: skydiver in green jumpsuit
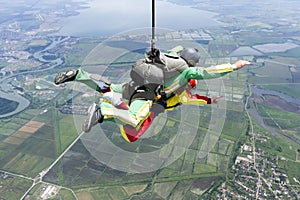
140	108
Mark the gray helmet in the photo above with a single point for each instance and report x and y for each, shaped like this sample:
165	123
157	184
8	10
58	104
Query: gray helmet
191	56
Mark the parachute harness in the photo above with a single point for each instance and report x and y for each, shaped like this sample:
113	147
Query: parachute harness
151	91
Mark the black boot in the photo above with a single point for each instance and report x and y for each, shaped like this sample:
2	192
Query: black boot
67	76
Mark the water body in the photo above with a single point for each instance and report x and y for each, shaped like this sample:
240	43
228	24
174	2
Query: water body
112	17
260	92
6	90
23	102
274	47
245	51
259	120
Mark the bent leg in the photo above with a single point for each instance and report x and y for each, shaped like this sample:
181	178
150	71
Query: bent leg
85	78
135	116
131	134
137	113
94	81
115	99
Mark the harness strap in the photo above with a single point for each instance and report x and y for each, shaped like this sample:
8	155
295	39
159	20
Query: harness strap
143	92
178	104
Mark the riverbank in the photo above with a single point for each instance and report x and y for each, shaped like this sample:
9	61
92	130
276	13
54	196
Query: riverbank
276	100
7	90
22	102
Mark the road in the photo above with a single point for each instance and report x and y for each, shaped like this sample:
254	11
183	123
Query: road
23	103
39	178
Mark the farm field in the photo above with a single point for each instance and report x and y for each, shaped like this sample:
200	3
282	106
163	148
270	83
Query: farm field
206	151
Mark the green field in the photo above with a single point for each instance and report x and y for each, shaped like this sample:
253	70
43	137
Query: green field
13	187
289	89
282	119
189	177
287	123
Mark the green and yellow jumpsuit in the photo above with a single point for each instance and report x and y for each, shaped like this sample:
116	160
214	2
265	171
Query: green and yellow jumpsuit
139	109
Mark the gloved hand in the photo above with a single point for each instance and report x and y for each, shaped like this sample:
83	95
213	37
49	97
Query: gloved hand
153	53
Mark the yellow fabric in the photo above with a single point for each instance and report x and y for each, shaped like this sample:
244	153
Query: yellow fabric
122	115
134	117
186	100
172	87
219	70
172	101
183	98
123	133
105	100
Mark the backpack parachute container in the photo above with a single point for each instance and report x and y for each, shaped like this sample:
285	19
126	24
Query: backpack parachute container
144	73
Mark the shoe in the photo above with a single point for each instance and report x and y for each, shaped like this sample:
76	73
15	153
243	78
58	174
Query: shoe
69	75
94	117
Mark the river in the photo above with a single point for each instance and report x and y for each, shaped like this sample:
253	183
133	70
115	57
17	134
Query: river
6	89
260	92
110	17
259	120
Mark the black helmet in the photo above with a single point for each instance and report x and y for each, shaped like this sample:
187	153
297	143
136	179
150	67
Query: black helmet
191	56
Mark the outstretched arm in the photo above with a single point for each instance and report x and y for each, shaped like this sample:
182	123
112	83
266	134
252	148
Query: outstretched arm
176	50
215	100
241	63
187	97
201	73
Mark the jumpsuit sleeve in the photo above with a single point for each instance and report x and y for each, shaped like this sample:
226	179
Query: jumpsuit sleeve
187	98
201	73
117	87
176	50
